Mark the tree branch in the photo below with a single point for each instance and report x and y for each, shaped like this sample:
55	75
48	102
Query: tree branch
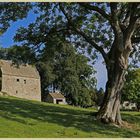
127	17
90	41
85	36
111	18
133	21
96	9
114	18
114	12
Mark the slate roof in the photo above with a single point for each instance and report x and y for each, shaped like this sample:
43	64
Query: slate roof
57	95
8	68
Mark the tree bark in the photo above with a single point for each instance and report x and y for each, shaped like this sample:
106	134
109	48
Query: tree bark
109	111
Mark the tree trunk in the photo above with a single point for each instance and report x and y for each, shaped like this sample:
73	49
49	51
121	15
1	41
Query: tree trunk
109	111
110	108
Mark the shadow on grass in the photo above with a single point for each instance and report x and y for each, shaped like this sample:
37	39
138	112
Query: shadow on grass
22	110
132	118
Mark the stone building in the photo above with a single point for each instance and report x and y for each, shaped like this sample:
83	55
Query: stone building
56	98
21	81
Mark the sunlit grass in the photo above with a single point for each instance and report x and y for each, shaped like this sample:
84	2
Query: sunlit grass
22	118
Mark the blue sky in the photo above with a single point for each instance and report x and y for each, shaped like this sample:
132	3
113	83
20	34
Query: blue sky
6	40
101	74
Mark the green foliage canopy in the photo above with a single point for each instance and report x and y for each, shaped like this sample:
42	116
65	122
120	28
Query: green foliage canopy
68	71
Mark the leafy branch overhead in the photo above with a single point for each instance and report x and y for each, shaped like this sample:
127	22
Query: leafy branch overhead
93	23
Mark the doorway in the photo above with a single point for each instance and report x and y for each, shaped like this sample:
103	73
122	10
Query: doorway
58	101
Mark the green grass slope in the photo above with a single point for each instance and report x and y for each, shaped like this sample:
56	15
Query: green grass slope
21	119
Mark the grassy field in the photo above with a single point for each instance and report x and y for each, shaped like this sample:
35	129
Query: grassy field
21	119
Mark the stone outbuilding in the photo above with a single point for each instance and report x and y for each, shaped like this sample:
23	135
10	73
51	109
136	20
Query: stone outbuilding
56	98
21	81
128	105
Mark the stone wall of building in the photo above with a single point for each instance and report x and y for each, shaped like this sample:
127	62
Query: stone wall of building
22	87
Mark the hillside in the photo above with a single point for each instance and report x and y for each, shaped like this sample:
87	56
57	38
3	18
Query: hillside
22	118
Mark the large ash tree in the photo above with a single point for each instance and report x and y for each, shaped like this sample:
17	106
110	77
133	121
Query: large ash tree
109	29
